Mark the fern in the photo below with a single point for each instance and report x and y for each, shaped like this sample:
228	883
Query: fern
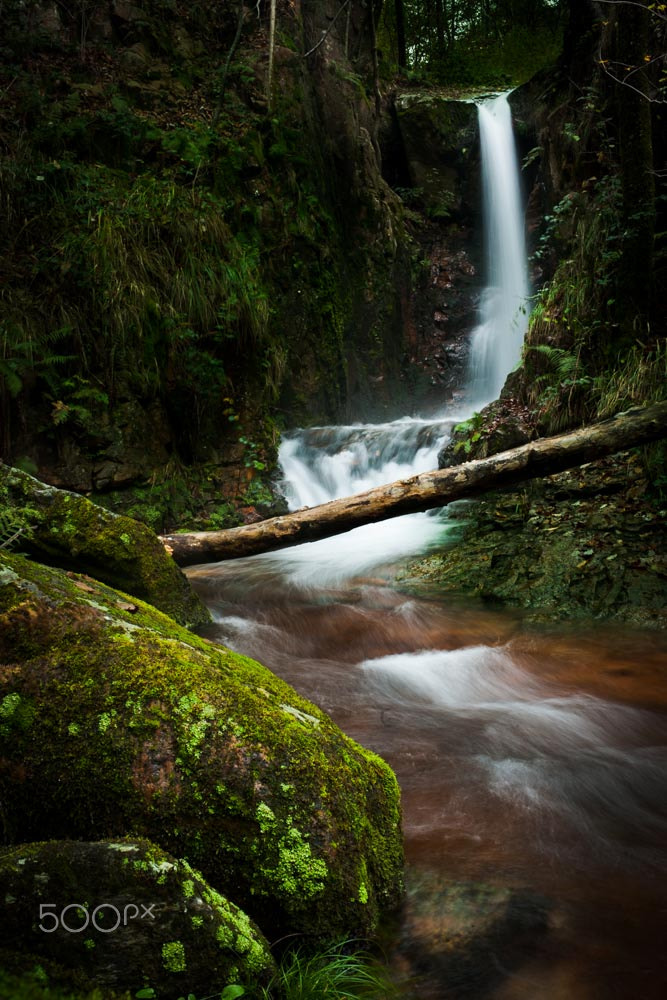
13	526
564	362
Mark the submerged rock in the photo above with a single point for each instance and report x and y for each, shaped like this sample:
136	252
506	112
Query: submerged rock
114	720
126	916
67	530
467	933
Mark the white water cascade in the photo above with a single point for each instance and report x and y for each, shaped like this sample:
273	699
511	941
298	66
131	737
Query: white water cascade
503	316
325	463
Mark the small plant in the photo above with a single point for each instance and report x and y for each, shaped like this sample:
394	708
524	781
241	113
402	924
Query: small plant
337	972
469	433
251	458
13	526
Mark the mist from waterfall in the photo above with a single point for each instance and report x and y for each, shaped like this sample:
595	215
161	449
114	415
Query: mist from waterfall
496	342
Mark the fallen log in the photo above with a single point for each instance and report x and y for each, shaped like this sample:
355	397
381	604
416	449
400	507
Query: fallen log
544	457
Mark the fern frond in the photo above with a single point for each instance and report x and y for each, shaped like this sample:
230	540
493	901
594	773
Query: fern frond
13	526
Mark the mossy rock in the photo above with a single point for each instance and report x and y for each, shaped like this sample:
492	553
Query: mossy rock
27	977
438	136
500	426
67	530
114	720
127	916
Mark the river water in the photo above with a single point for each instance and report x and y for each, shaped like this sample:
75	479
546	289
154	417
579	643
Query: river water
532	762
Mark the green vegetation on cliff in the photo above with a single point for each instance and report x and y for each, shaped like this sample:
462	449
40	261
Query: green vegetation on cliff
171	252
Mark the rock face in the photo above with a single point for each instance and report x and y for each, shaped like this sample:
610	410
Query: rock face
126	916
588	542
440	141
70	531
114	720
501	425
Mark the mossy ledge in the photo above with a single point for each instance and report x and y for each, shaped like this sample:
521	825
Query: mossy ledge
67	530
116	721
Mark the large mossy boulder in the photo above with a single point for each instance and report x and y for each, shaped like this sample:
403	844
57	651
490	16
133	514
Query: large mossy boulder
126	916
67	530
115	721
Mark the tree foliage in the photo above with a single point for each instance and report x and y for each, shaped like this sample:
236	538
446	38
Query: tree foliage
470	41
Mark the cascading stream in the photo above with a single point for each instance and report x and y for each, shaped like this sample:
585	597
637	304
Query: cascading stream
503	316
524	760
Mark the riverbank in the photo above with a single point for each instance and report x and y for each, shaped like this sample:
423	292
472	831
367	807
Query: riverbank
586	543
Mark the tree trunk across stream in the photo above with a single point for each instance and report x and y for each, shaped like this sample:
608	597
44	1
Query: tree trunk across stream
425	491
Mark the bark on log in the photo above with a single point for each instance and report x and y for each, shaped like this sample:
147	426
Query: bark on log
543	457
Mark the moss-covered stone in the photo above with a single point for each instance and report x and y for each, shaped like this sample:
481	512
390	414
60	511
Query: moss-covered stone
68	530
438	136
121	722
127	916
587	542
24	976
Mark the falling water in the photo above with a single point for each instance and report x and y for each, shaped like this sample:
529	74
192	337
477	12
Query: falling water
503	315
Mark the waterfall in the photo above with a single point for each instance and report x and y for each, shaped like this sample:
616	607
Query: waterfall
324	463
503	316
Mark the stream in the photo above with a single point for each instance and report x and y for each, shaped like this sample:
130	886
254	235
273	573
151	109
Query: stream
532	763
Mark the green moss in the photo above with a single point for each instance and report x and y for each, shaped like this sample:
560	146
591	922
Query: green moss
173	956
137	878
192	745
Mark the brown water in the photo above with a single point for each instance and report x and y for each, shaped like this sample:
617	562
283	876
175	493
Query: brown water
535	760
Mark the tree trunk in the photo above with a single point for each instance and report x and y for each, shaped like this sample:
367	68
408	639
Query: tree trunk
400	35
425	491
272	44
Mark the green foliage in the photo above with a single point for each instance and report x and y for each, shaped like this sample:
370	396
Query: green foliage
566	377
33	984
468	433
14	526
473	43
338	972
570	339
25	354
640	377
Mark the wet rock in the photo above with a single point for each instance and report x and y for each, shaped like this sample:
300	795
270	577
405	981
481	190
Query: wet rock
115	720
47	22
127	916
587	542
467	933
438	135
502	425
135	60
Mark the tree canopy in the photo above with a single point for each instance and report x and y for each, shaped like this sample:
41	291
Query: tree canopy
469	40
